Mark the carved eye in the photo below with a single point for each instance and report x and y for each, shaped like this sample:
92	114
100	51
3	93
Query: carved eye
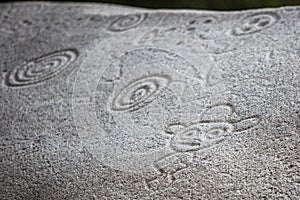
216	132
139	93
264	23
254	20
189	134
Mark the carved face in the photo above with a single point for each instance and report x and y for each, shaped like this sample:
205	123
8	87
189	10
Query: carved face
255	23
208	133
199	136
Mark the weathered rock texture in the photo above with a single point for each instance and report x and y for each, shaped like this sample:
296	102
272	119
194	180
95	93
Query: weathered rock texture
106	102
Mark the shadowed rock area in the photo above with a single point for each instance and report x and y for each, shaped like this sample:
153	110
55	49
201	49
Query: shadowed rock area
110	102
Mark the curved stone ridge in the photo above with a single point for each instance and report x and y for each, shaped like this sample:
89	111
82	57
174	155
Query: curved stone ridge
40	69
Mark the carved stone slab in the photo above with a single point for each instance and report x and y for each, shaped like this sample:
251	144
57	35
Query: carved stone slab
110	102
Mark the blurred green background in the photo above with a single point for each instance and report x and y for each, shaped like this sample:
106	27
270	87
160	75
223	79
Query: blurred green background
204	4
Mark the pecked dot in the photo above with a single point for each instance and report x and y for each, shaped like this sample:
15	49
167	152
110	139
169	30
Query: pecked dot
191	29
247	28
96	18
27	22
192	22
208	21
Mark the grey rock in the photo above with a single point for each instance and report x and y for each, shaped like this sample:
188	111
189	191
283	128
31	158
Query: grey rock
112	102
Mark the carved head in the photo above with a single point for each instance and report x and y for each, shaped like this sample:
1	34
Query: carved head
207	133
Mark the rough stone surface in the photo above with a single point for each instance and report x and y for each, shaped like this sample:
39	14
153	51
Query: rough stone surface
110	102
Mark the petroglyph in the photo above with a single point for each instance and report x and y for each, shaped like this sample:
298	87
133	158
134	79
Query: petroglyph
40	69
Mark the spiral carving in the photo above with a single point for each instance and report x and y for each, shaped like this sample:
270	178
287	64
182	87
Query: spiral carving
40	69
139	93
127	22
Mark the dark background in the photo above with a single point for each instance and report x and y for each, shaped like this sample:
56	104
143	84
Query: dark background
203	4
